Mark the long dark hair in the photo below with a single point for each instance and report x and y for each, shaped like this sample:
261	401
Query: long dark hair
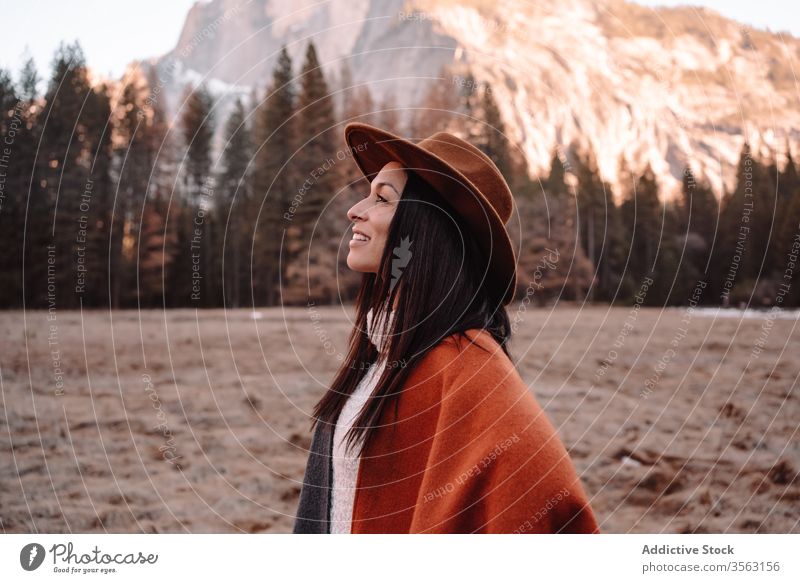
439	292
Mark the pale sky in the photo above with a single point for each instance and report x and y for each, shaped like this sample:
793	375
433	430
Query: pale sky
775	15
112	33
115	32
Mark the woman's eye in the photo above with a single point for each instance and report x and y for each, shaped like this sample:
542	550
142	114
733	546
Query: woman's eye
378	197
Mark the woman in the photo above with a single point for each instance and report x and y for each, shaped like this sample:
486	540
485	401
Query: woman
427	426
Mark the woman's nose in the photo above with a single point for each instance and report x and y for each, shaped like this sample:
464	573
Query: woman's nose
355	211
351	215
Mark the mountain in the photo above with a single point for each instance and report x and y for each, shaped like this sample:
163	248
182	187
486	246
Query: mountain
668	86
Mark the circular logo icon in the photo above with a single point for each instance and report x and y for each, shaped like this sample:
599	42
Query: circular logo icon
31	556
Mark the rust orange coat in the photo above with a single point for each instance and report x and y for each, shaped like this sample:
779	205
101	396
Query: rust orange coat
471	451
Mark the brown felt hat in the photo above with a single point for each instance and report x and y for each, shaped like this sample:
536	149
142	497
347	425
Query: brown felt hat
464	176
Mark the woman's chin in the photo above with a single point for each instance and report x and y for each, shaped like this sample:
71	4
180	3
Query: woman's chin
360	266
354	264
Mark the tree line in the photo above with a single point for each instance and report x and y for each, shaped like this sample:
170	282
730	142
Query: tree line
740	249
105	202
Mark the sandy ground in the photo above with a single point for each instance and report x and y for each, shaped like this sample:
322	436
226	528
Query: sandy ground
198	421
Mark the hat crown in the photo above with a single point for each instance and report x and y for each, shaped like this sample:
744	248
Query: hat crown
471	162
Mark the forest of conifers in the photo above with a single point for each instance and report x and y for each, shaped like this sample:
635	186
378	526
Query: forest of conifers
106	201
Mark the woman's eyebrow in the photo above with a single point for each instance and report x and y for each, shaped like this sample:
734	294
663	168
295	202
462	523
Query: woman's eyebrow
379	184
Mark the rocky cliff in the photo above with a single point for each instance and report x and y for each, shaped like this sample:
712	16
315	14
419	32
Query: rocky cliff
668	86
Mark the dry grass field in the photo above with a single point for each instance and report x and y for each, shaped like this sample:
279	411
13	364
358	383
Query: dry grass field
190	421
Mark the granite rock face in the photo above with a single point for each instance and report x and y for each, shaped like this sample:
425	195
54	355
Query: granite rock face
668	86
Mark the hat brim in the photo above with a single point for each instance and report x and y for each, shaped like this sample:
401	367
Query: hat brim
372	148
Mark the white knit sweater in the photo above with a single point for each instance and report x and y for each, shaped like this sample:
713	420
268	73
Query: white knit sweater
346	463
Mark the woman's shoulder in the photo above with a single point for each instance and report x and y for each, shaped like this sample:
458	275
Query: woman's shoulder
473	365
475	348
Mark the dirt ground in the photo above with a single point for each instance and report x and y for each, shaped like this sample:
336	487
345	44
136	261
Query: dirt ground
184	421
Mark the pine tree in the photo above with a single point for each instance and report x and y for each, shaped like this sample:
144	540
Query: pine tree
492	139
699	206
234	203
596	214
62	181
133	166
275	180
11	200
669	287
198	131
696	226
180	274
27	207
788	230
313	262
346	94
551	264
317	145
737	254
157	250
789	180
97	209
764	223
556	182
196	235
641	214
29	81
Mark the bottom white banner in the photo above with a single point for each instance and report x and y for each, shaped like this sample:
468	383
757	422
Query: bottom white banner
171	557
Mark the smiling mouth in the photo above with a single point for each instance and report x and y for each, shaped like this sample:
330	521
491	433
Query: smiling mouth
359	237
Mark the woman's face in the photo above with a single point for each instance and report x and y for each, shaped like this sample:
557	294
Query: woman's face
371	217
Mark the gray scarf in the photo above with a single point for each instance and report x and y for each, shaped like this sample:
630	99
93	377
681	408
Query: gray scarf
314	508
